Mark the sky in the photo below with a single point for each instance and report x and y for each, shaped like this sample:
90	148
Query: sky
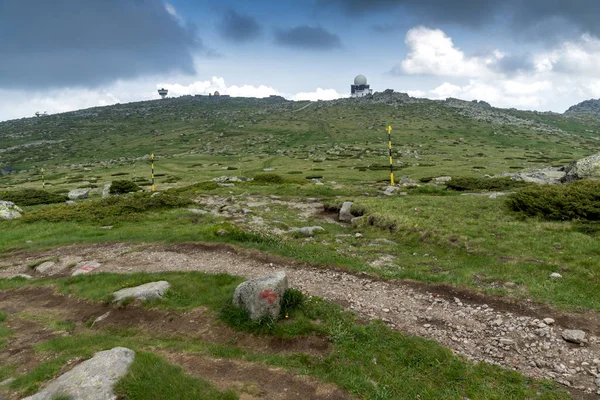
70	54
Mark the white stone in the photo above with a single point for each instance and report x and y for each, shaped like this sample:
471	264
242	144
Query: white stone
147	291
548	321
574	335
261	297
77	194
555	275
45	267
8	210
85	267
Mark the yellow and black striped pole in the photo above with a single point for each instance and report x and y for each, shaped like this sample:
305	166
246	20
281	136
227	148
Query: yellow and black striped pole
152	160
389	131
43	180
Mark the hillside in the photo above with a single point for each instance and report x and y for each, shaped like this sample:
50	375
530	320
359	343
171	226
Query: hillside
586	107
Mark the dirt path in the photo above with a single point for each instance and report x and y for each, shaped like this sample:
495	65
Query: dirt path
479	327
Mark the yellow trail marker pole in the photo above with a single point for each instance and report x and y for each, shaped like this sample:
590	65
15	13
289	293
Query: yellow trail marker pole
43	180
389	131
152	159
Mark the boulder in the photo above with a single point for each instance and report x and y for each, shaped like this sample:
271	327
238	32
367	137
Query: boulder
442	179
147	291
85	267
574	336
586	168
345	214
106	190
8	210
77	194
261	297
45	267
93	379
310	230
541	176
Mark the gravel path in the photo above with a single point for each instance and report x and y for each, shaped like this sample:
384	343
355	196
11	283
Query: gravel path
514	339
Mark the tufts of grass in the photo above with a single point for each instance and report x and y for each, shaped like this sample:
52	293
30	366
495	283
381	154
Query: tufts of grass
151	377
107	210
123	187
274	179
32	197
577	200
484	184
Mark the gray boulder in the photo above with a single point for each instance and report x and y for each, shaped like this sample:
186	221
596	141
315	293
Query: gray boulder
574	336
345	214
77	194
261	297
85	267
310	230
147	291
106	190
8	210
93	379
45	267
586	168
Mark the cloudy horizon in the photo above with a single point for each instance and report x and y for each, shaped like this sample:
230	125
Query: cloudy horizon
79	53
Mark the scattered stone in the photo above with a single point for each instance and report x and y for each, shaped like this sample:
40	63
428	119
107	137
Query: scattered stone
85	267
225	184
386	310
93	379
389	190
70	203
9	211
356	221
222	232
268	169
107	227
78	194
45	267
23	276
147	291
310	230
100	318
506	341
574	336
510	285
555	275
345	214
261	297
224	179
548	321
197	211
7	381
358	235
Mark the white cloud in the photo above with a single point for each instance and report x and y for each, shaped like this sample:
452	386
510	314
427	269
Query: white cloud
218	84
432	52
319	94
572	57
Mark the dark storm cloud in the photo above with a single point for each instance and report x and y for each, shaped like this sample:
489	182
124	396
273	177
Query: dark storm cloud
239	28
307	37
512	64
87	43
522	16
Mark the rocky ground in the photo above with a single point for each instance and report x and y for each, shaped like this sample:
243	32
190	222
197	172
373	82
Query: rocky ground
526	337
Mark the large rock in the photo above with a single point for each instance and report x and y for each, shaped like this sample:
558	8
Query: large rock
147	291
8	210
541	176
345	214
261	297
45	267
93	379
77	194
574	335
586	168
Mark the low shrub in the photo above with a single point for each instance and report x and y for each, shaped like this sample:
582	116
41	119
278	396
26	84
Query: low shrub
123	186
32	197
577	200
272	179
484	184
107	210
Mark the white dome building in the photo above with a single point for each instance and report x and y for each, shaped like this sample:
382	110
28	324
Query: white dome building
360	87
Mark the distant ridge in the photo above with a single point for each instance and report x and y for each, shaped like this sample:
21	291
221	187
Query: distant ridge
586	107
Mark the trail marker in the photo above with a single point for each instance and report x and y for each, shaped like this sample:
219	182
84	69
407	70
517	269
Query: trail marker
389	131
43	180
152	160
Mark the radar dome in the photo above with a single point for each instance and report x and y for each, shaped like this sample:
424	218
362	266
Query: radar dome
217	93
360	80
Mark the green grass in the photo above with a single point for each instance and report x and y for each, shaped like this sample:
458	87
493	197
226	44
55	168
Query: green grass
405	367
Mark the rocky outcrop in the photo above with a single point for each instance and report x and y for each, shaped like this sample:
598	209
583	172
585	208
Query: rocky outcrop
585	107
77	194
586	168
147	291
261	297
8	210
93	379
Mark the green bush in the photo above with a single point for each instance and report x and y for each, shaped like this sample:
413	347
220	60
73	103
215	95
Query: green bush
32	197
577	200
107	210
272	179
484	184
123	186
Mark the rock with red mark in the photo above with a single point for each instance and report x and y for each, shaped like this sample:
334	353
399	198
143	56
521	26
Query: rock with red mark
261	297
85	267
